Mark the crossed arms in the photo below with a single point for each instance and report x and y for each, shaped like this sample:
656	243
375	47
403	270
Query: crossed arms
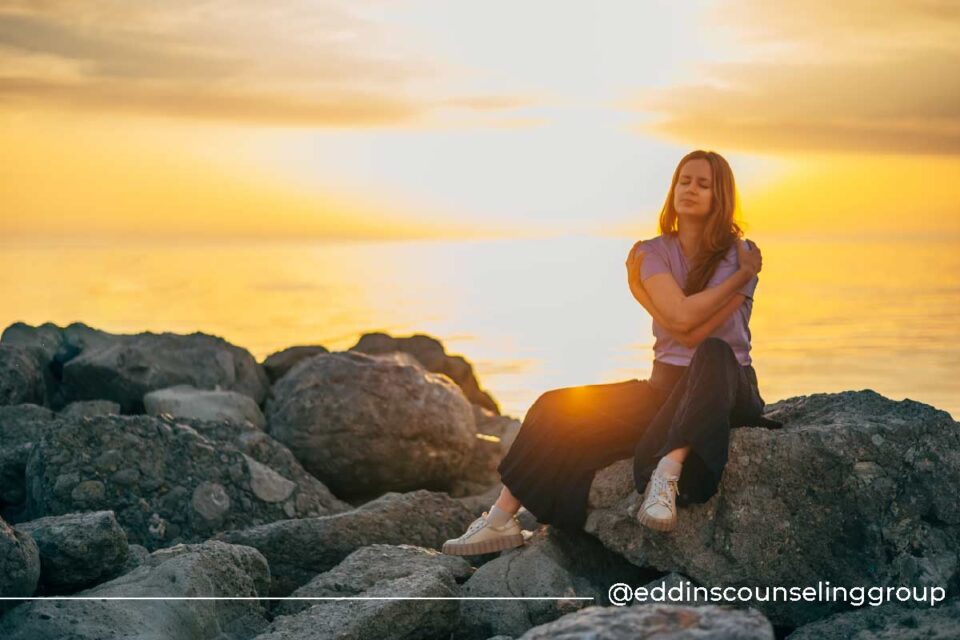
691	319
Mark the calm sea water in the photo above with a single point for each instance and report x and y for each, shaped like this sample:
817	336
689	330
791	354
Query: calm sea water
530	315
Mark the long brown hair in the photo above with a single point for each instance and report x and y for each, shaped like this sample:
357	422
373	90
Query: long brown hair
722	229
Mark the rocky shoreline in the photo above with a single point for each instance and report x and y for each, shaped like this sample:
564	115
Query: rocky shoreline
177	465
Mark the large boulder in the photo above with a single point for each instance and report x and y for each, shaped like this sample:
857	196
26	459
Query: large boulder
891	621
495	434
856	489
90	408
166	483
300	549
376	566
379	574
92	364
212	569
551	564
19	565
656	621
366	425
184	401
77	550
431	353
277	364
20	426
22	377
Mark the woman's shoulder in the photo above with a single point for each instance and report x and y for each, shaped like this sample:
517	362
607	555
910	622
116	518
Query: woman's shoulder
660	243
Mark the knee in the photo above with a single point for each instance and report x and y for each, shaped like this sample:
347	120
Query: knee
713	350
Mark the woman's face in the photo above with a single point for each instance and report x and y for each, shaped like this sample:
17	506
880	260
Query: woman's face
693	195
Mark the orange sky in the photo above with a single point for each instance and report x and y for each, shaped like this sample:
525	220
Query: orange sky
425	119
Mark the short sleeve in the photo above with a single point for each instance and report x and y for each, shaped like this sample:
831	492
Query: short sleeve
750	287
653	261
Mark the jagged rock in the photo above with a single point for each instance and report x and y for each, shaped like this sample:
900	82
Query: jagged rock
19	565
365	425
93	364
315	500
430	352
890	621
380	619
20	426
21	375
855	489
90	408
550	564
23	423
166	483
374	566
184	401
300	549
13	465
277	364
656	621
209	569
77	550
136	555
495	434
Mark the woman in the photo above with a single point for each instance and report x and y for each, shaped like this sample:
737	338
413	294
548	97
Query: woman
696	279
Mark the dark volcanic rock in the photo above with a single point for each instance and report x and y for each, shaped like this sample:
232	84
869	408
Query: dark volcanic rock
300	549
19	564
430	352
365	425
856	489
209	569
166	483
21	375
277	364
656	622
77	550
891	621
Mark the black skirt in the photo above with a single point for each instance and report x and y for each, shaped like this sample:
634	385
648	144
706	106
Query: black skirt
568	434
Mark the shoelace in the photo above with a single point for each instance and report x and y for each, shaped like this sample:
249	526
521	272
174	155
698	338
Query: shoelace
660	491
477	524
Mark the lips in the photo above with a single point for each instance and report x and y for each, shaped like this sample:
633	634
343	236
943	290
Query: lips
688	201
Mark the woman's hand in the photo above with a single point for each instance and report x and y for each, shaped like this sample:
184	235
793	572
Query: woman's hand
749	256
634	260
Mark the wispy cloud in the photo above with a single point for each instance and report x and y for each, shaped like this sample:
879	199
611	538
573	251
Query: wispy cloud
848	76
287	63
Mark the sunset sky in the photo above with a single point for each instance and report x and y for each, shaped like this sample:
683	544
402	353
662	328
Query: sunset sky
430	118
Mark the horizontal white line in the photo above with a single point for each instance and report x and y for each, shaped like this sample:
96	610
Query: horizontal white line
296	598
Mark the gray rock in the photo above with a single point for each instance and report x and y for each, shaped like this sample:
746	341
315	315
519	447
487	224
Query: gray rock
430	352
23	423
166	483
19	565
212	569
300	549
136	556
90	408
13	465
890	621
184	401
21	375
92	364
855	489
662	622
380	619
373	566
314	500
551	564
364	426
77	550
495	434
277	364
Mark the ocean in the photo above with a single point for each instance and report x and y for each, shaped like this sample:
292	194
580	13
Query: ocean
529	314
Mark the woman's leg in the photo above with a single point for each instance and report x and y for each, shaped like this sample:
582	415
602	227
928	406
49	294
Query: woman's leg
507	502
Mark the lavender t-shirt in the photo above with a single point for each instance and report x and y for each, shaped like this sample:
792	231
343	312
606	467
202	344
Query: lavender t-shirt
664	255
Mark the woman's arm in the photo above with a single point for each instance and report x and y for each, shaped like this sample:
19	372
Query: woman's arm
685	313
692	338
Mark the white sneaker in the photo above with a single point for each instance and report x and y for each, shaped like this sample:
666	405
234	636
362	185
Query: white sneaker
659	509
482	537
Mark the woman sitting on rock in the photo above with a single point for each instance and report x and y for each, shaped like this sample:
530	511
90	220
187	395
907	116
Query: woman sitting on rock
697	280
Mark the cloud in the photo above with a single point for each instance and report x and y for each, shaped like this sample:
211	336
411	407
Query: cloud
845	77
287	63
